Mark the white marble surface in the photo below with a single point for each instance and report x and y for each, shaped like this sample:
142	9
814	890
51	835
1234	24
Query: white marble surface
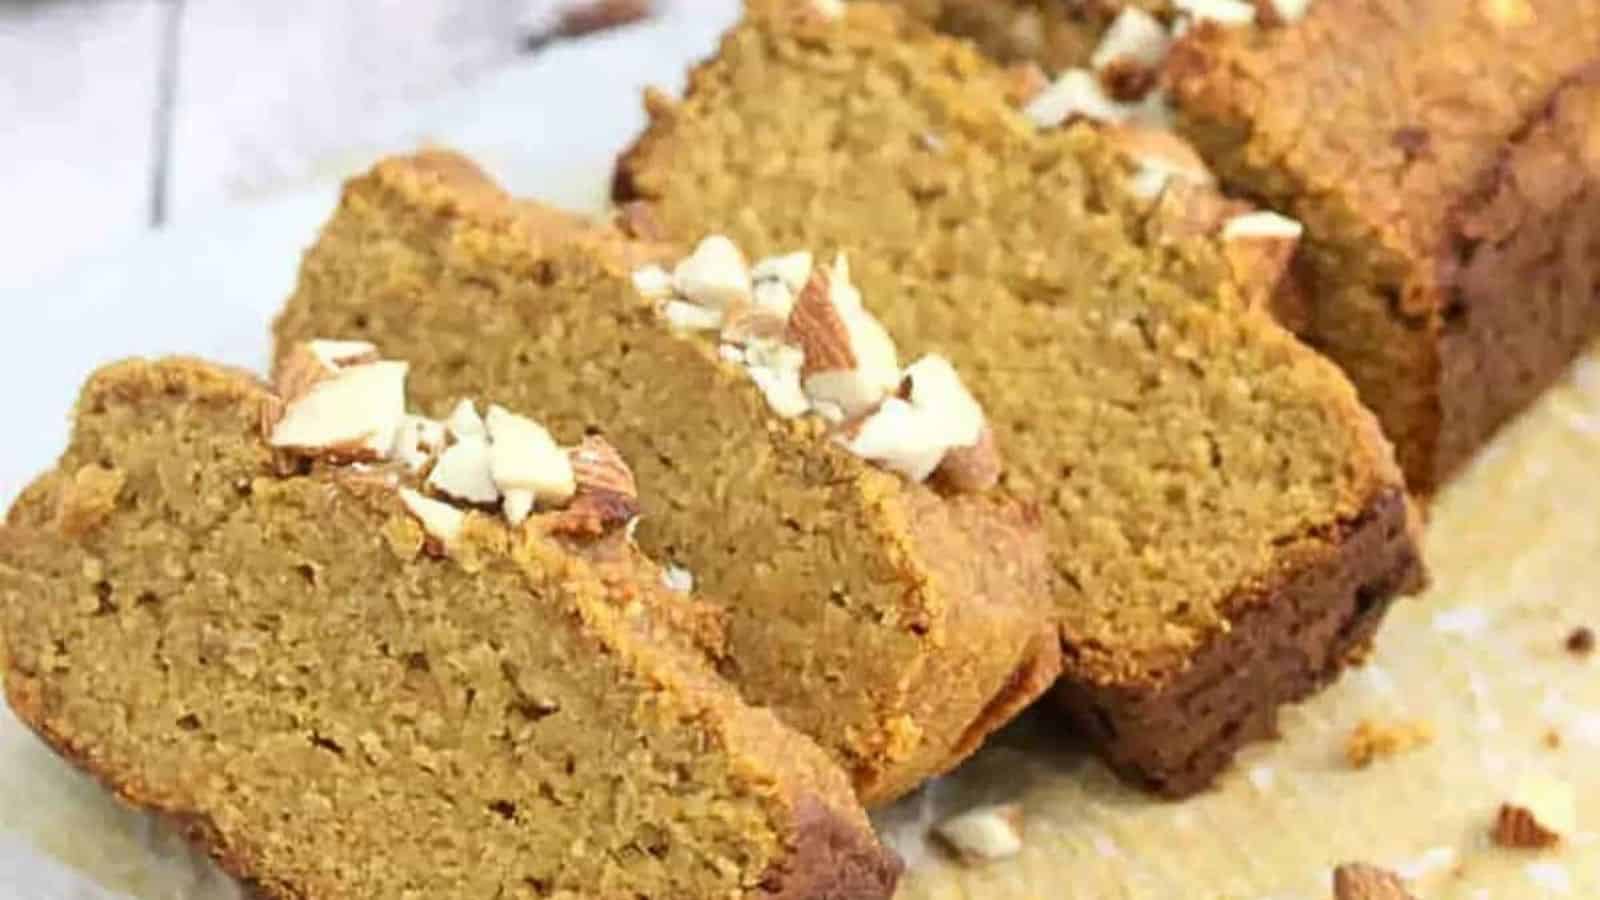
119	114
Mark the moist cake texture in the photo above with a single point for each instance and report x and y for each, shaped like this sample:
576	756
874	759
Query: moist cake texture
895	625
1227	522
1442	157
268	648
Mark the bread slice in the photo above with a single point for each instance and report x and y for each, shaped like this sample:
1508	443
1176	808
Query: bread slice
1227	521
338	698
895	625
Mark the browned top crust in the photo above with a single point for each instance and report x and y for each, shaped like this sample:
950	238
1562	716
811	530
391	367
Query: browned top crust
1376	117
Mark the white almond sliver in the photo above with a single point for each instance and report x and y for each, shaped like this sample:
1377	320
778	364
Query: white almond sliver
938	393
518	505
774	296
714	275
791	270
360	406
687	316
652	281
338	354
1262	224
876	373
523	455
1134	36
1291	10
1223	12
1148	182
462	472
464	421
899	438
1077	92
419	439
439	519
984	834
678	579
775	368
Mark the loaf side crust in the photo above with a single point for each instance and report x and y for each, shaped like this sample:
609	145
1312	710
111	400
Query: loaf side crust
1173	737
1522	272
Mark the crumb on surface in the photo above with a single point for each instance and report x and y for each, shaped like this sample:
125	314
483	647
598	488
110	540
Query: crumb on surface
1581	641
1360	881
588	16
1552	739
1371	741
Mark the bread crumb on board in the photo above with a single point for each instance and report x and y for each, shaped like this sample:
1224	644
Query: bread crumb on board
1371	740
1360	881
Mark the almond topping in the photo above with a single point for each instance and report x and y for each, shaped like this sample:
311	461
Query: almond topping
778	279
598	466
314	361
816	327
464	422
1283	12
687	316
652	281
462	472
343	354
970	469
775	368
984	834
1359	881
677	578
606	495
353	414
420	439
518	505
792	270
523	456
935	389
439	519
1259	247
714	275
899	438
745	324
1076	93
1161	156
1134	36
1222	12
850	361
1542	810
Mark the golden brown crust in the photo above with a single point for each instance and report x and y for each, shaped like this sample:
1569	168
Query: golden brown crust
202	494
1442	249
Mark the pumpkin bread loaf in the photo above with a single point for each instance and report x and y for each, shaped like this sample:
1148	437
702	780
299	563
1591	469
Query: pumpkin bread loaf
1437	153
895	623
307	633
1443	158
1227	522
